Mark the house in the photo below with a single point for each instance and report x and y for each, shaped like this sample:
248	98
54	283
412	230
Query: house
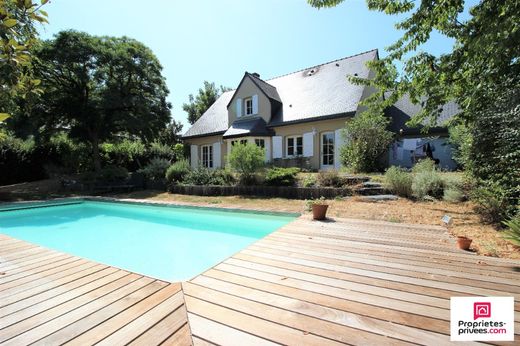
297	117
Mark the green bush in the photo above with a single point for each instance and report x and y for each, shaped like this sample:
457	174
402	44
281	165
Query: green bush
368	139
453	194
427	180
492	202
513	232
156	169
329	178
206	176
112	174
246	160
278	176
399	181
309	180
19	162
129	154
177	171
427	183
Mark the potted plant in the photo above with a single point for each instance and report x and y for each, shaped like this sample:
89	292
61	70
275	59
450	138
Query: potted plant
319	208
463	243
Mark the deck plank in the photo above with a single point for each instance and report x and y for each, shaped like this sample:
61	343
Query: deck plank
344	281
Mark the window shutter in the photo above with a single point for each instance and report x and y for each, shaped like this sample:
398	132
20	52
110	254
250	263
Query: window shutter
308	144
267	150
194	155
277	147
338	143
255	104
239	108
216	155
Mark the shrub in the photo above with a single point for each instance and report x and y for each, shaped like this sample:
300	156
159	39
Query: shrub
329	179
206	176
129	154
426	180
427	183
399	181
246	160
160	150
492	202
453	194
18	161
278	176
309	180
112	174
513	232
368	139
156	169
178	171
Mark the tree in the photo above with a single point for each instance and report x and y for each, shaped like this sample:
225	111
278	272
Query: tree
170	135
482	67
207	95
367	139
101	87
246	159
17	36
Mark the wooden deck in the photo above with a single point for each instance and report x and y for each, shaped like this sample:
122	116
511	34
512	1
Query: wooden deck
50	298
339	282
349	281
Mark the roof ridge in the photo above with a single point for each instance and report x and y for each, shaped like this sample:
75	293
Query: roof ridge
325	63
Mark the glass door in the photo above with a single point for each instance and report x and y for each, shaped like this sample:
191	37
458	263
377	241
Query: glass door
327	150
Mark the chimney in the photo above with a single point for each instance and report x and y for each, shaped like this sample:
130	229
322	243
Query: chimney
256	74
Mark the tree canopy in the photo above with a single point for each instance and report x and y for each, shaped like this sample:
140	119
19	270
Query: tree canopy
484	58
99	88
17	36
197	105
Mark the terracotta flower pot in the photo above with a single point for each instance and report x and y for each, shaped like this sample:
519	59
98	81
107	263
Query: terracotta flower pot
463	243
319	211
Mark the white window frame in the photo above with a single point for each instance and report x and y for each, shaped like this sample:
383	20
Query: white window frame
332	156
295	146
260	140
207	157
248	106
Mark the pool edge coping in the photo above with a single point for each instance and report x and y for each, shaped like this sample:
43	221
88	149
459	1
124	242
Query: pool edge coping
20	205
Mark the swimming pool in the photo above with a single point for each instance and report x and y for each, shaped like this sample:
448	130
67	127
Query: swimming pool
164	242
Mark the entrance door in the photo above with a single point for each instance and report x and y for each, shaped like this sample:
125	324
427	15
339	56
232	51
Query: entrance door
327	150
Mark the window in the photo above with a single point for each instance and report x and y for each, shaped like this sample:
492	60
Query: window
207	156
260	142
248	105
327	147
242	142
294	146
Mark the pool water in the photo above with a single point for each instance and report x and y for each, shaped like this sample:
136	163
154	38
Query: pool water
168	243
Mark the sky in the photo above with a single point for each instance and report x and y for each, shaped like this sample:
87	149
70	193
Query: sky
218	40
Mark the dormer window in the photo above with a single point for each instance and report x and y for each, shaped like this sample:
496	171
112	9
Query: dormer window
248	105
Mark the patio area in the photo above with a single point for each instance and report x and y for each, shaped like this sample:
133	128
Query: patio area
343	281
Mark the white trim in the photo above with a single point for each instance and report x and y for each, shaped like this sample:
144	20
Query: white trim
210	156
295	145
246	100
322	165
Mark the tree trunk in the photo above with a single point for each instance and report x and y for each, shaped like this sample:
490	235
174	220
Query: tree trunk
96	158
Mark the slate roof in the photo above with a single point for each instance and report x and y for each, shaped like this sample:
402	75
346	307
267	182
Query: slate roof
249	127
315	93
404	109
